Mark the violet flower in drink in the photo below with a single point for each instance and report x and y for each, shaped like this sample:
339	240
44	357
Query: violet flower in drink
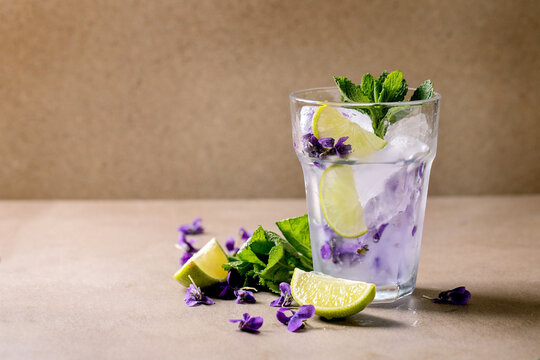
195	297
286	297
342	149
249	323
244	297
295	321
192	229
457	296
321	148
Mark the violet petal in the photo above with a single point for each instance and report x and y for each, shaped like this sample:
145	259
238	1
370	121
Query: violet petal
326	252
295	323
244	297
253	324
277	302
282	317
229	244
305	312
327	142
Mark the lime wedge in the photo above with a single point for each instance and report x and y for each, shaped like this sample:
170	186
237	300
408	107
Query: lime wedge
204	267
330	122
332	297
339	202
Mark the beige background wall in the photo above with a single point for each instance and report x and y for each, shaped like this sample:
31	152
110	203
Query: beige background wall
189	99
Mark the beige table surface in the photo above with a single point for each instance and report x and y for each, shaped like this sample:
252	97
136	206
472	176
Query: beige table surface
93	280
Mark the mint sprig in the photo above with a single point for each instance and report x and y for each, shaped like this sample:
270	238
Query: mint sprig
389	87
268	259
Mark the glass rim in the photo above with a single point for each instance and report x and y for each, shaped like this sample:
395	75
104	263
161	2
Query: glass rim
297	96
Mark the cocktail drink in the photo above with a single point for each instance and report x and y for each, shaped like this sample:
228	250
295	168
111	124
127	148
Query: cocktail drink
366	168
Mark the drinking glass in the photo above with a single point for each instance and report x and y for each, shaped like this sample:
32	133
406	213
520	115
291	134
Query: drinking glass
388	185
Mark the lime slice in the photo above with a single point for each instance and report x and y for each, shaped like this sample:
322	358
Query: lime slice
332	297
330	122
204	267
339	202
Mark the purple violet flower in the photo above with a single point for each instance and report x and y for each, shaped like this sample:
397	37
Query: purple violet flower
326	251
195	297
457	296
229	244
192	229
342	149
227	288
327	142
296	320
321	148
286	297
185	257
249	323
312	146
244	297
244	234
379	232
186	244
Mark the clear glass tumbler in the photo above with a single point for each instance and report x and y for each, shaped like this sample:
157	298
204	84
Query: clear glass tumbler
366	212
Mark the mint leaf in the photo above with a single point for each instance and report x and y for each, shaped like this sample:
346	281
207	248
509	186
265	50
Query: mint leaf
368	87
259	242
378	86
423	92
273	286
296	231
394	87
349	91
247	255
277	269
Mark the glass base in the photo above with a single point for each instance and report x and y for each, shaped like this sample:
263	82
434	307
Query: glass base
388	294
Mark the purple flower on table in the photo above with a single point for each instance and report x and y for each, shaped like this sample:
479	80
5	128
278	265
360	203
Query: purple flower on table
249	323
185	257
286	297
244	297
192	229
295	321
457	296
229	244
186	244
244	234
195	297
227	288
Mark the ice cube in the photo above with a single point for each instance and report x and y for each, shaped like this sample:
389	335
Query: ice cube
415	126
399	148
358	117
306	118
